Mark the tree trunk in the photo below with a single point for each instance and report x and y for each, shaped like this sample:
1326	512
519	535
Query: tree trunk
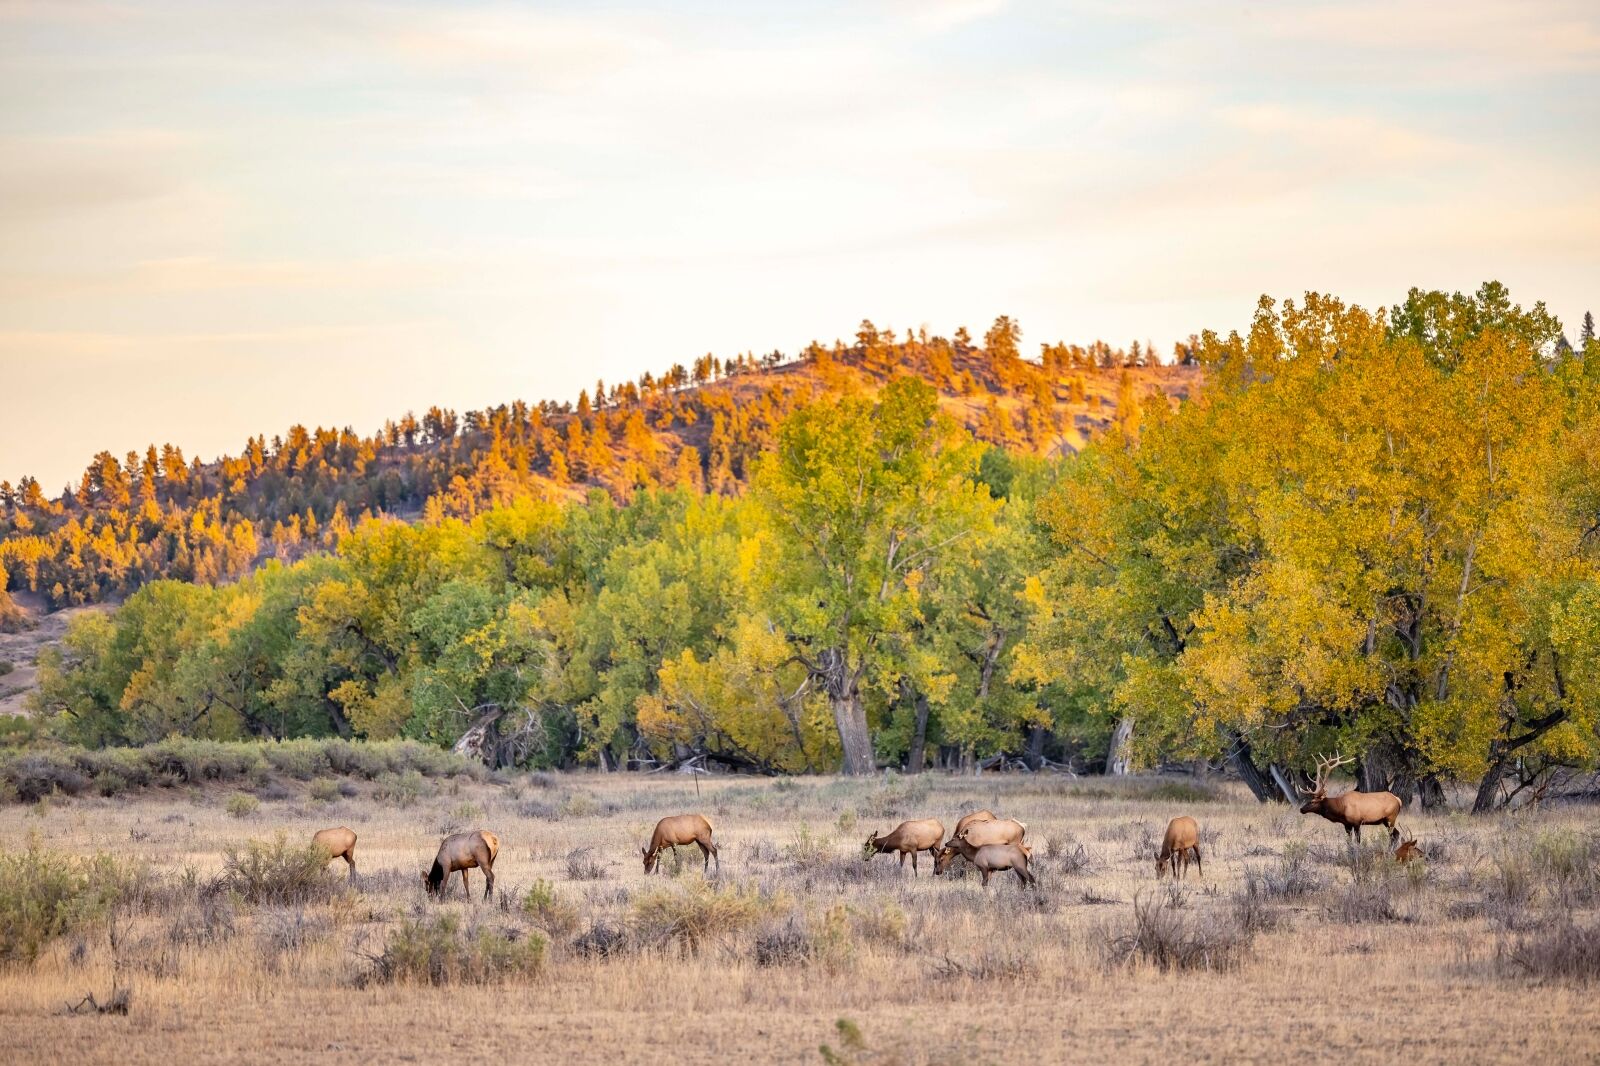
849	714
851	719
1490	785
1431	793
1243	762
1034	754
1117	753
919	736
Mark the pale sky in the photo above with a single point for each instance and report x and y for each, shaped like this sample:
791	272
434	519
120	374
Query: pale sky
218	219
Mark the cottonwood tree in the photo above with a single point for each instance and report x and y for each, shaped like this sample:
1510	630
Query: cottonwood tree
858	501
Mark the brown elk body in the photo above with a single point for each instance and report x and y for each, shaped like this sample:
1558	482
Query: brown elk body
999	831
1407	851
1351	809
907	838
969	819
678	829
339	843
1181	841
990	859
463	851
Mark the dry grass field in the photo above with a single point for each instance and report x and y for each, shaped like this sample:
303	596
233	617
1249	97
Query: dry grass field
1290	949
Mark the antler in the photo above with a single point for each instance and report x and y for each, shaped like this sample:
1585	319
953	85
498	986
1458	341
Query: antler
1325	764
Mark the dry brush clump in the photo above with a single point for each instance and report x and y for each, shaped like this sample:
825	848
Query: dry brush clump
695	915
1171	938
442	949
45	895
277	873
1565	951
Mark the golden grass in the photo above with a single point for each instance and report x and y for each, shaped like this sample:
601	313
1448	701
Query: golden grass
926	969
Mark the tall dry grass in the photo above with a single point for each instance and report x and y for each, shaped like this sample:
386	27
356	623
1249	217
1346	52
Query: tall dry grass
231	939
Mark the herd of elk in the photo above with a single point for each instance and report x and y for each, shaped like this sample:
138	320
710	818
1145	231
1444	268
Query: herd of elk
1352	809
991	844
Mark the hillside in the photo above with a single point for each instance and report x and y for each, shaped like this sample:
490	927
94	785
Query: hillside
138	518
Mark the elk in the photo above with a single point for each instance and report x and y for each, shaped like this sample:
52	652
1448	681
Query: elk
969	819
1407	851
1183	837
907	838
676	829
989	859
1351	809
339	843
999	831
463	851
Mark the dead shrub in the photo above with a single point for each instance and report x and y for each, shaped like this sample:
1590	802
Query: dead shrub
1174	940
583	865
601	940
1564	952
990	964
786	943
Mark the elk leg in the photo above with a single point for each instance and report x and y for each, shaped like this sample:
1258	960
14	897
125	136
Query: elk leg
1201	870
986	874
705	857
488	888
914	855
466	885
902	862
1394	832
350	860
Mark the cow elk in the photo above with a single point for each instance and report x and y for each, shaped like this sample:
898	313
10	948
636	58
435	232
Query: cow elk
1351	809
463	851
907	838
989	859
999	831
1182	841
339	843
970	819
678	829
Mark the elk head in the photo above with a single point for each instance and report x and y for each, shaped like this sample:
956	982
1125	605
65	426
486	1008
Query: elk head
1407	851
942	859
650	858
1316	796
870	848
433	880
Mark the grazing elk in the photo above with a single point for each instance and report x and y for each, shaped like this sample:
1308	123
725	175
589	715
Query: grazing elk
1182	839
907	838
676	829
463	851
969	819
1407	851
1351	809
339	843
989	859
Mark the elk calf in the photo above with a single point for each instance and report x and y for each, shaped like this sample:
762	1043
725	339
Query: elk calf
907	838
1182	840
1407	851
1351	809
677	829
989	859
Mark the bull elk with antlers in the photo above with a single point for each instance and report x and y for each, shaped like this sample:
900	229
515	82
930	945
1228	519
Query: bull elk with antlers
1350	809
